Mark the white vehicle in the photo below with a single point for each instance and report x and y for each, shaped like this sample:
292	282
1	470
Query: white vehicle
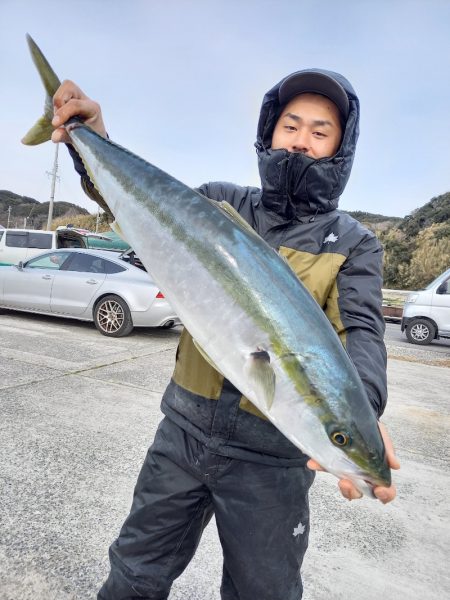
426	313
18	245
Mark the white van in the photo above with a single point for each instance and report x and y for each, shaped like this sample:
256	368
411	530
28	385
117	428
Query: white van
426	313
22	244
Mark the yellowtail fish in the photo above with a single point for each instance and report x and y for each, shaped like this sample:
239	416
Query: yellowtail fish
241	302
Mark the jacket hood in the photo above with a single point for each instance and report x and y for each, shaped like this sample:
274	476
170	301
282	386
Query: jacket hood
295	185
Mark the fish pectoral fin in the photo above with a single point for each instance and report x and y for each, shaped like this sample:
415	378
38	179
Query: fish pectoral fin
262	376
234	215
207	358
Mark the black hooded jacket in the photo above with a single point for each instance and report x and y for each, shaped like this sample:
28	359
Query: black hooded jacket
338	260
293	184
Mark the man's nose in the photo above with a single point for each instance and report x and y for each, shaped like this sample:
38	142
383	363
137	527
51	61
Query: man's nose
301	143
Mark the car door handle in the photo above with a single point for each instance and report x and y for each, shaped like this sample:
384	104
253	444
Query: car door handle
92	281
46	276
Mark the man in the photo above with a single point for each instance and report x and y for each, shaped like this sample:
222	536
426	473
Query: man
215	453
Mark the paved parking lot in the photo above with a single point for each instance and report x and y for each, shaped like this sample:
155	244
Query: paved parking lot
78	413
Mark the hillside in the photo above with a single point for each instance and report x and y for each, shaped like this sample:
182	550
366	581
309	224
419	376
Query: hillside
375	222
436	211
418	248
28	212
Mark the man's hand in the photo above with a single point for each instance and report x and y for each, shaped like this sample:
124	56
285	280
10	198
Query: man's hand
70	101
349	491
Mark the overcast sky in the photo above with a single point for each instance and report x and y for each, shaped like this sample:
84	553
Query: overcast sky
181	83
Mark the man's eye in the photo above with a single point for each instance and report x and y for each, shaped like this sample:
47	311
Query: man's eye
319	134
289	128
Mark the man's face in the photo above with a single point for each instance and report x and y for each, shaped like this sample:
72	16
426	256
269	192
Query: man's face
309	123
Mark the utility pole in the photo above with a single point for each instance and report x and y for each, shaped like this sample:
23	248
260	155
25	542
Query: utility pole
52	193
97	221
9	215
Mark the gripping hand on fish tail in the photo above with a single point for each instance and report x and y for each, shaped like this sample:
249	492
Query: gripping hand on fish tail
383	494
70	101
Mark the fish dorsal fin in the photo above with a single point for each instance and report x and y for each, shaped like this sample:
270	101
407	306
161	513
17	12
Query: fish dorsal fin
234	215
117	229
206	357
261	375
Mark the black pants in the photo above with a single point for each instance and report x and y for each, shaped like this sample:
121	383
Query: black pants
261	512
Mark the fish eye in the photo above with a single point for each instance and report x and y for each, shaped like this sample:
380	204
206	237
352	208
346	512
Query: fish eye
340	438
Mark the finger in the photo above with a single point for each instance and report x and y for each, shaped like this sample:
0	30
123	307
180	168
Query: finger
392	460
314	465
60	135
66	91
348	490
385	494
75	108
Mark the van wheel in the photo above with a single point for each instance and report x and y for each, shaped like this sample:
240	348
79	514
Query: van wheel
112	317
420	331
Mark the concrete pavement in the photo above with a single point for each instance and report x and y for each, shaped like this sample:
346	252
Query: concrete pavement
78	412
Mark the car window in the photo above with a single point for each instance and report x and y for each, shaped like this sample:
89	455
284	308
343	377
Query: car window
111	267
16	239
86	263
130	257
39	240
70	243
54	260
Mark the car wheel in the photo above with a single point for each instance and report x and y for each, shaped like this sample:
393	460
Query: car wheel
420	331
112	317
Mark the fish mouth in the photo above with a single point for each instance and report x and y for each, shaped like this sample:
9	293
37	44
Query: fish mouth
371	483
366	480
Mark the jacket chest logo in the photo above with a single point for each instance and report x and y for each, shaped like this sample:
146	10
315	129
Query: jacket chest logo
331	238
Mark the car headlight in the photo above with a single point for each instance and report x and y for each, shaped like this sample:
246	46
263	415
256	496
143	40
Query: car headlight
411	298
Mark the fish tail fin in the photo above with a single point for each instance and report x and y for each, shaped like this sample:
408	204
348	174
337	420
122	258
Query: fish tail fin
42	130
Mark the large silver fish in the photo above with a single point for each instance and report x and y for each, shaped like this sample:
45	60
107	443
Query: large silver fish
244	306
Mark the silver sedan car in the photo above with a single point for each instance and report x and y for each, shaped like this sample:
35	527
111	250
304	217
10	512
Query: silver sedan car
91	285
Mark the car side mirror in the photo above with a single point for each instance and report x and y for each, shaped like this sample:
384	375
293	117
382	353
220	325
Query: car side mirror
442	289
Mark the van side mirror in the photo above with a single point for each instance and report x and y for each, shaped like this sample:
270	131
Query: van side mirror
20	266
442	289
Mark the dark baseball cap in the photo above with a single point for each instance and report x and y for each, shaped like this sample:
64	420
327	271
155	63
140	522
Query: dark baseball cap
314	82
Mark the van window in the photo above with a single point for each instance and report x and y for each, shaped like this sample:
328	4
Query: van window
1	234
16	239
39	240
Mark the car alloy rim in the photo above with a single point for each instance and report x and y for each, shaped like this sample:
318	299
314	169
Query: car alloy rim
110	316
420	332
